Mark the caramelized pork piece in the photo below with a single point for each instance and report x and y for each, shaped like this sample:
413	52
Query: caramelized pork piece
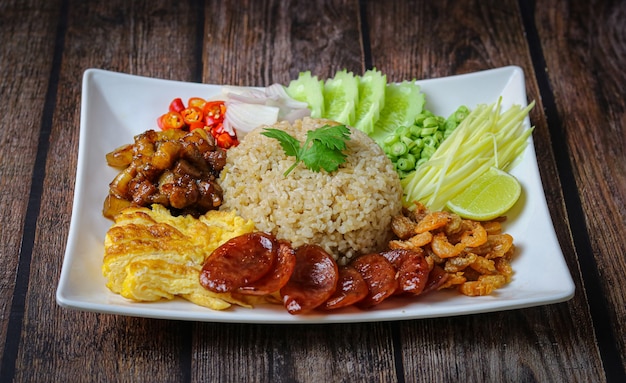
174	168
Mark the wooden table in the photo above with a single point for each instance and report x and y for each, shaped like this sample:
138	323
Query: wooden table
573	56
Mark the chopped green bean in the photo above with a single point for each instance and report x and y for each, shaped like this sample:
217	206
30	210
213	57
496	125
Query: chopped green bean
416	150
421	139
391	139
398	149
431	122
460	114
429	141
427	152
406	162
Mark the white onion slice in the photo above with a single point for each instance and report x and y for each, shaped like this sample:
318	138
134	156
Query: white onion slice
247	108
277	92
296	114
243	117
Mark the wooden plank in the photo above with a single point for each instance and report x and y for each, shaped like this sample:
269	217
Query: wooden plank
546	343
261	42
26	55
152	38
257	43
585	48
294	353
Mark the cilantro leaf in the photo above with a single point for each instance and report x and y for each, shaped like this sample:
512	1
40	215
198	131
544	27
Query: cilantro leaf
333	137
290	145
323	157
321	150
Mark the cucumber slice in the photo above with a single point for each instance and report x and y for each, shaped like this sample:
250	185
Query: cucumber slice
309	89
403	102
341	94
371	100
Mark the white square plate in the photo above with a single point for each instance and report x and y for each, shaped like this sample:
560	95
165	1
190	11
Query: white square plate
116	106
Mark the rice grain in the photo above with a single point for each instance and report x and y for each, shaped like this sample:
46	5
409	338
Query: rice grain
347	212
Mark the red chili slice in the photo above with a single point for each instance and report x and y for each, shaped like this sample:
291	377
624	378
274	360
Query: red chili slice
226	141
238	262
312	282
197	102
214	112
171	120
380	276
176	105
276	278
192	115
412	269
351	288
216	128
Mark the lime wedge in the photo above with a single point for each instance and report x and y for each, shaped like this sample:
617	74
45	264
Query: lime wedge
490	196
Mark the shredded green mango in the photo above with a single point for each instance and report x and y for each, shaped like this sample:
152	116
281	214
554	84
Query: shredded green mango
486	137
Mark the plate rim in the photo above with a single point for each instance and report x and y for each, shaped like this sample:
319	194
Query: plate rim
65	299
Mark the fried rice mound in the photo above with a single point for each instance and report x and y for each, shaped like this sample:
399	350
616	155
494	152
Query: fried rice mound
347	212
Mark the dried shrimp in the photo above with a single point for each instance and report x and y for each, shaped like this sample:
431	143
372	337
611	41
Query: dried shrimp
472	256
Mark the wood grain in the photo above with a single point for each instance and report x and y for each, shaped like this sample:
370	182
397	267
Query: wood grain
140	38
26	55
579	140
295	353
479	36
584	46
281	39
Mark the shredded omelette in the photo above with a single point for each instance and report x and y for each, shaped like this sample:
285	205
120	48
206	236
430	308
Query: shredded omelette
152	255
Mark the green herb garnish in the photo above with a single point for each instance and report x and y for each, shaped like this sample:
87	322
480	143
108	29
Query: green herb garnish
321	150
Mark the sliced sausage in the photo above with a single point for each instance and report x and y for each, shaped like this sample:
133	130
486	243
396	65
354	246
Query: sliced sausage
351	288
436	278
412	269
239	261
313	281
380	276
277	277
